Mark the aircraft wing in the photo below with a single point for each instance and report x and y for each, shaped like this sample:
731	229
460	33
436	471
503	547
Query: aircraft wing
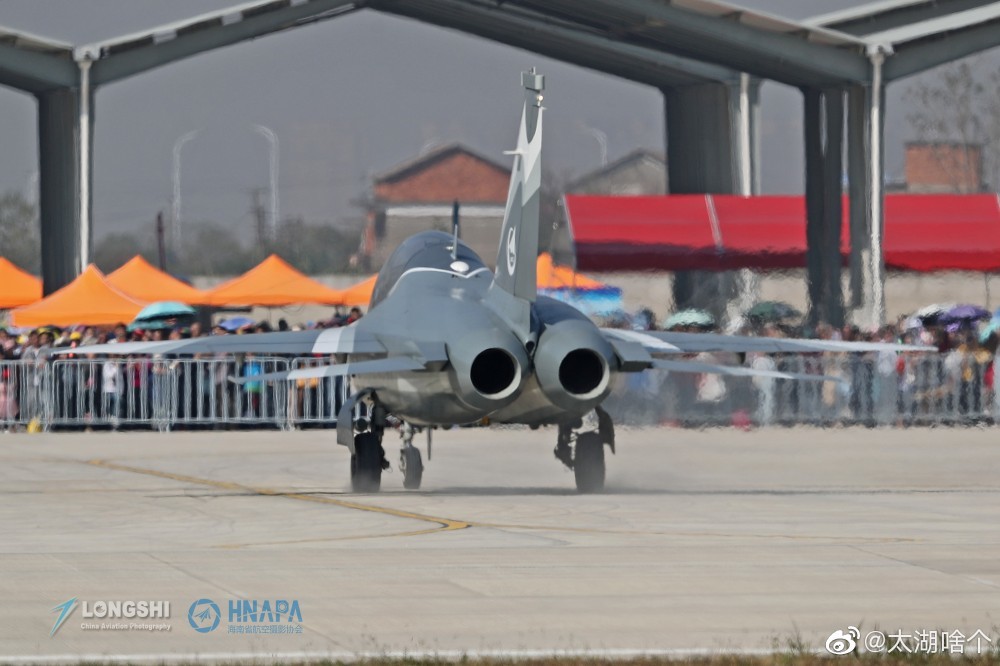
344	340
425	357
642	350
698	367
668	342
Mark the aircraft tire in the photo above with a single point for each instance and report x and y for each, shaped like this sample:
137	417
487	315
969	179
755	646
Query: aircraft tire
588	463
366	463
413	468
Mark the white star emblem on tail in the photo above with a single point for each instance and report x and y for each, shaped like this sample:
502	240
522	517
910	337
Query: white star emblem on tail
511	251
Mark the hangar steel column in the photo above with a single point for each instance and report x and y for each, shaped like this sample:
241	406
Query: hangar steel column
711	135
824	144
866	194
64	247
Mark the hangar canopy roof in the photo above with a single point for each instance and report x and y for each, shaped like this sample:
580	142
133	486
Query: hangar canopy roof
665	43
920	34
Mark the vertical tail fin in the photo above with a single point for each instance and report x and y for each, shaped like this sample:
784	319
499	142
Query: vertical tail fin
519	238
518	253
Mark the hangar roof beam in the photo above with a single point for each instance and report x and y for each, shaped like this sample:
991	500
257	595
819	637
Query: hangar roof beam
122	57
876	17
548	37
922	49
756	43
35	64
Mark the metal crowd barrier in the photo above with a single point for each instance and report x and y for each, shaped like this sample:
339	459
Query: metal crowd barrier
22	394
316	401
874	389
159	393
111	392
204	395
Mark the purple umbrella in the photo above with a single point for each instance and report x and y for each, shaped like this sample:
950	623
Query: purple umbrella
964	314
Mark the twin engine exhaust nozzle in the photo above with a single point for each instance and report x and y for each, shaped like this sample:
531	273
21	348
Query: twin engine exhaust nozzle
490	368
573	364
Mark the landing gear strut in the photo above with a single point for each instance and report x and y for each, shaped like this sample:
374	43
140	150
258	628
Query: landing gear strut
410	462
586	458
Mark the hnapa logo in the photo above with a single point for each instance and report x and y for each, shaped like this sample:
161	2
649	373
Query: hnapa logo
250	611
248	616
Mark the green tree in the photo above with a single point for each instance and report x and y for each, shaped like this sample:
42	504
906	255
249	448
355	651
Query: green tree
313	248
211	249
19	234
114	249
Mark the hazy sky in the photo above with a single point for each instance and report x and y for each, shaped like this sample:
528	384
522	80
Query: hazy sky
347	98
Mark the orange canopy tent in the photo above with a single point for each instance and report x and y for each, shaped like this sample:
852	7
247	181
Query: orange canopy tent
361	293
140	279
272	283
17	287
550	276
88	299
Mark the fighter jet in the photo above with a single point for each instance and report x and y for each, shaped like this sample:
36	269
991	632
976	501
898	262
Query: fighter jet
446	342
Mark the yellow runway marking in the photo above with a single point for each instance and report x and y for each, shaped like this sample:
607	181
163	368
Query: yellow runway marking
444	524
449	524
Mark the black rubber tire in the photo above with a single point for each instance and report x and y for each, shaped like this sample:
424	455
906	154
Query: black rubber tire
588	463
413	468
366	463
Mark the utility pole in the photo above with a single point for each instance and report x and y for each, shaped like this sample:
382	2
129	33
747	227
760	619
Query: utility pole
160	241
260	217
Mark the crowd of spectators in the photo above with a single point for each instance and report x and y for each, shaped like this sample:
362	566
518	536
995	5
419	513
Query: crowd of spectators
110	388
955	385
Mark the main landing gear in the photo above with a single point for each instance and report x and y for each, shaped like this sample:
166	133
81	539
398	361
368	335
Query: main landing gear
586	458
368	460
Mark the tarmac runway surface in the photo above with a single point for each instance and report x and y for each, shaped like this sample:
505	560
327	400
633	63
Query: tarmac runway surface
705	540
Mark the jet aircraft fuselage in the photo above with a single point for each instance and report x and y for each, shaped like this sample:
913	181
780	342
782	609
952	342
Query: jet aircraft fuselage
561	372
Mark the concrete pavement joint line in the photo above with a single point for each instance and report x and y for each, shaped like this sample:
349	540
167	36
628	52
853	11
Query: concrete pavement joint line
719	535
446	524
969	579
455	655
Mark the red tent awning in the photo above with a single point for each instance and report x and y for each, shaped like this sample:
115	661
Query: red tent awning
722	232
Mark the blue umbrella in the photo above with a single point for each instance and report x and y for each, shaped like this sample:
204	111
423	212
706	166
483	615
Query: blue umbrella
164	310
991	327
236	323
